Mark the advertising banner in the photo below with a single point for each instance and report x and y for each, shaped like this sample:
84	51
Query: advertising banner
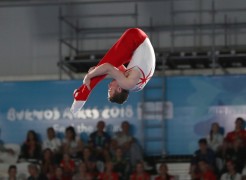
191	105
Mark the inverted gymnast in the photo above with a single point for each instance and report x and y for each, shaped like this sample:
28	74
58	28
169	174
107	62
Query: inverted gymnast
134	48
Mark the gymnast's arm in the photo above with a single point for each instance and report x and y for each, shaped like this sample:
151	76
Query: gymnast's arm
107	69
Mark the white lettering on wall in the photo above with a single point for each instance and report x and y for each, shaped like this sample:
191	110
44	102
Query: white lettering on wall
30	115
11	114
227	110
55	114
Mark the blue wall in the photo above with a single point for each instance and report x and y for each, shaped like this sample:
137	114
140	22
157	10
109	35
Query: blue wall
197	101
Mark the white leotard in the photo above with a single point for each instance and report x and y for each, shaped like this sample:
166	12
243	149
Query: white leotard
143	59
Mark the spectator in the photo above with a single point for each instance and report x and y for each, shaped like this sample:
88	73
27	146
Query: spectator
52	142
204	153
92	169
126	142
205	171
238	133
72	144
90	161
90	177
12	172
31	149
231	172
82	173
59	175
194	172
108	174
91	166
224	154
7	154
48	165
68	166
215	138
163	173
140	173
100	141
34	173
121	165
238	154
87	155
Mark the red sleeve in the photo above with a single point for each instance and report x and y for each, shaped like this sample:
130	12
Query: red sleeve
229	137
212	176
72	164
100	176
133	177
209	176
244	136
147	176
115	176
122	68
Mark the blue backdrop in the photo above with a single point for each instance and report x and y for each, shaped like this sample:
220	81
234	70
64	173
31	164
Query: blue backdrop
196	101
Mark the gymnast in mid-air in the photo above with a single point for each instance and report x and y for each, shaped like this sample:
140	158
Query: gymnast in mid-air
133	48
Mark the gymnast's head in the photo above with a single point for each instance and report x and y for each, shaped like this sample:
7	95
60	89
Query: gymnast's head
116	94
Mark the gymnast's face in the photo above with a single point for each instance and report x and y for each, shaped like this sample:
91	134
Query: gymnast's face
113	87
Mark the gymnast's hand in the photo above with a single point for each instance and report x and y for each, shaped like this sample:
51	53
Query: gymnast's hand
87	81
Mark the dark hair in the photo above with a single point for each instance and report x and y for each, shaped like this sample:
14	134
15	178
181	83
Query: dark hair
51	129
34	135
167	175
100	122
72	130
43	154
125	122
119	97
202	141
240	119
12	167
231	162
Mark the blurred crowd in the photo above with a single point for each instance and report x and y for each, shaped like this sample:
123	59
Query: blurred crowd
102	157
120	157
221	156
